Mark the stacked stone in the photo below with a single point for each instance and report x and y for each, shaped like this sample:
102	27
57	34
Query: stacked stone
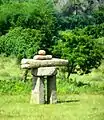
43	65
38	95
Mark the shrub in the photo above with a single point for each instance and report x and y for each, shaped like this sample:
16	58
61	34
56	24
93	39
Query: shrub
71	22
21	42
96	31
100	41
36	14
98	16
81	20
82	52
14	87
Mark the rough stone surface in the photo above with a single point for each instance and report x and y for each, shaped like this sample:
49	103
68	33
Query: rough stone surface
37	95
43	66
31	63
42	57
51	90
44	71
42	52
69	6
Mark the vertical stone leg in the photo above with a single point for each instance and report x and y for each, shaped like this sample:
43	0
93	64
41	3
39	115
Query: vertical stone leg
37	96
51	89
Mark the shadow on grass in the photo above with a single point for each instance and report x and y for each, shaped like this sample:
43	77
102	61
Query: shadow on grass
67	101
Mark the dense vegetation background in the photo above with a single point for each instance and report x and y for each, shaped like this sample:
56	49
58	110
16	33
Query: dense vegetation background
29	25
69	29
72	30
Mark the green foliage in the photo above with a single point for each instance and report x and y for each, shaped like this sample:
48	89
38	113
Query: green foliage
10	77
70	22
14	87
82	52
100	41
36	14
98	16
21	42
88	83
96	31
29	25
81	20
11	74
73	86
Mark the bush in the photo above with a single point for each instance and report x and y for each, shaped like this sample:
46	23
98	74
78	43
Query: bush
14	87
100	41
36	14
21	42
98	16
71	22
81	20
95	31
82	52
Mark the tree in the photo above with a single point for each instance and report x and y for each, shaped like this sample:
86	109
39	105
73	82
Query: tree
82	52
33	14
21	42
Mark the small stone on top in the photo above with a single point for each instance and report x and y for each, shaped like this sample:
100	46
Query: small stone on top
41	52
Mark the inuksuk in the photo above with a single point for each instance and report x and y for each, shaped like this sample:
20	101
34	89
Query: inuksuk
43	66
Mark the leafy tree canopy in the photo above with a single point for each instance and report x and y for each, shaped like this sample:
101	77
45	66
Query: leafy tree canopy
21	42
33	14
82	52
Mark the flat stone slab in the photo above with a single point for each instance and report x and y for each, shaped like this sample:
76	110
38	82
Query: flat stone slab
31	63
44	71
42	57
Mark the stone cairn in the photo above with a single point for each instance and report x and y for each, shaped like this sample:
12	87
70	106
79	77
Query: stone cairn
41	66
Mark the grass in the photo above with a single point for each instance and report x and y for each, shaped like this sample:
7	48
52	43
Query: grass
81	98
9	69
70	107
88	83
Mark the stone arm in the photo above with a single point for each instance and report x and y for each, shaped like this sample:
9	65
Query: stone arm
31	63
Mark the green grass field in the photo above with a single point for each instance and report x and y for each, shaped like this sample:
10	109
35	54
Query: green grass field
70	107
79	99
